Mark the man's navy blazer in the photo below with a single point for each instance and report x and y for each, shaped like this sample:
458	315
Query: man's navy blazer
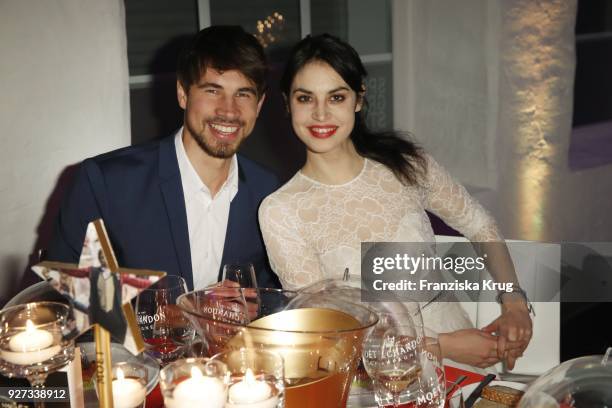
137	191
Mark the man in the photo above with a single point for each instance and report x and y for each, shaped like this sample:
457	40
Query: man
186	204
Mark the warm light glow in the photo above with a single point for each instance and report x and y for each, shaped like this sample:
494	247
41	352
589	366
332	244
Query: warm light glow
30	326
267	27
195	372
249	378
538	111
533	192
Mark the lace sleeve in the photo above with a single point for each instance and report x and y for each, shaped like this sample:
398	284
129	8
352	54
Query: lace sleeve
449	200
291	258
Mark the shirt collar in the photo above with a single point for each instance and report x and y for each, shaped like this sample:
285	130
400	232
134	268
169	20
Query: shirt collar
192	184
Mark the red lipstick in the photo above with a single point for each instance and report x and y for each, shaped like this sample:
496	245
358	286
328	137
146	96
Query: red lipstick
322	131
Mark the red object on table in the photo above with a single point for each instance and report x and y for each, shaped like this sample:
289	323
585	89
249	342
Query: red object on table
452	373
155	398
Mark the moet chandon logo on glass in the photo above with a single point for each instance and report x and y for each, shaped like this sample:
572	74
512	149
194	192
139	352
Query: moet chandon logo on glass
146	321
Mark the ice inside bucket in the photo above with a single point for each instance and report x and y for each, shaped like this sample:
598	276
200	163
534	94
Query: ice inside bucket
319	337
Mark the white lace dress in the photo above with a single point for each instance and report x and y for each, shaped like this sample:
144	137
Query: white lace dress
314	231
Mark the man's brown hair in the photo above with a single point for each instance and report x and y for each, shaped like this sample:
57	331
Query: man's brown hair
222	48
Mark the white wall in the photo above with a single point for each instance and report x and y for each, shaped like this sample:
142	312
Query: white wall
64	87
487	87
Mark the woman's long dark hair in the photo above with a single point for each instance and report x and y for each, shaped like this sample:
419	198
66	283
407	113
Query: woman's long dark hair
400	155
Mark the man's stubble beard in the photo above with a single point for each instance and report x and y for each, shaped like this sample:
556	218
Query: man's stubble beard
220	150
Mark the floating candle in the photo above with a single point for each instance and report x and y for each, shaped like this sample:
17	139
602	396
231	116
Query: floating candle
252	393
31	339
196	390
127	392
30	346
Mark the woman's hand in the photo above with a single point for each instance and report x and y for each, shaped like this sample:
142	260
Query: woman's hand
513	329
470	346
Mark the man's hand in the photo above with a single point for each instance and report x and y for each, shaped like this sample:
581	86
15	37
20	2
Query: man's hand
513	329
470	346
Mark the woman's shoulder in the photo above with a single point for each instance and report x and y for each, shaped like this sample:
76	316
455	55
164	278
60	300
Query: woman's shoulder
287	194
379	173
434	171
427	170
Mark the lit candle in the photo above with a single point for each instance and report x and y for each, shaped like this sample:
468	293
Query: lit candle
31	339
31	346
252	393
127	392
197	390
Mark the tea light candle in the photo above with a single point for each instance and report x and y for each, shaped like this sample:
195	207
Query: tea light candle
31	339
127	392
252	393
197	389
31	346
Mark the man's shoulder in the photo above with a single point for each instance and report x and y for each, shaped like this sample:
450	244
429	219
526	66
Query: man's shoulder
132	160
142	153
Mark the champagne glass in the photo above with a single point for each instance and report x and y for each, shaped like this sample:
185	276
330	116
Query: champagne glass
221	310
392	357
433	382
241	273
166	332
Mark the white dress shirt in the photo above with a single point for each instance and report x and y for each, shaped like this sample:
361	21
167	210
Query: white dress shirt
206	216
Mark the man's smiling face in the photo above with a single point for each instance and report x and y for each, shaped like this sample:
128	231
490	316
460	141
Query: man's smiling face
220	111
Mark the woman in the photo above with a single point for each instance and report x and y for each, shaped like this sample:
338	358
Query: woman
358	186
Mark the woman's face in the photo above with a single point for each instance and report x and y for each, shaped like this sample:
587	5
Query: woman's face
322	107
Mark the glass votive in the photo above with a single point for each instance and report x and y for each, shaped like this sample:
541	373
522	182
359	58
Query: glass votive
35	339
191	381
255	378
129	384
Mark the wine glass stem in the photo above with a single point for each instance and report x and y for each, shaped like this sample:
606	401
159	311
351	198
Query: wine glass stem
38	382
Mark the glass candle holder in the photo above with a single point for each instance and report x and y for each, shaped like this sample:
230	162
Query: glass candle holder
129	385
189	382
36	339
319	337
255	378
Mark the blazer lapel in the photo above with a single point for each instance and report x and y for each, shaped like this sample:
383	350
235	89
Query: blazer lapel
238	221
172	191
